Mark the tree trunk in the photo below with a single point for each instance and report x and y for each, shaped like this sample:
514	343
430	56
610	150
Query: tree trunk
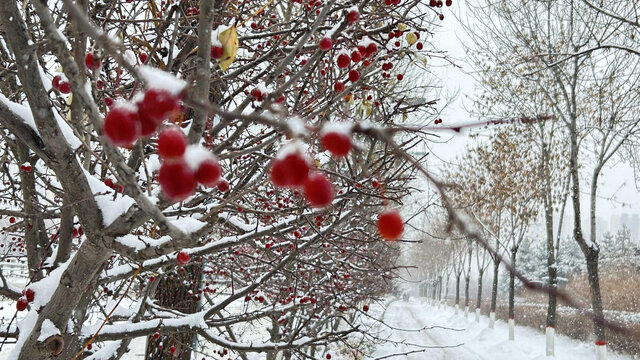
467	280
494	293
479	296
590	250
457	290
178	292
512	295
596	297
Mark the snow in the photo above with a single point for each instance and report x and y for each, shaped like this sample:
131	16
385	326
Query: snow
110	206
158	79
43	290
139	242
338	127
47	330
296	126
437	333
188	225
24	112
195	155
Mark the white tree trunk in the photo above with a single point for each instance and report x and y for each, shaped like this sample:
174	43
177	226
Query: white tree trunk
466	312
601	351
551	333
492	319
456	310
512	329
477	315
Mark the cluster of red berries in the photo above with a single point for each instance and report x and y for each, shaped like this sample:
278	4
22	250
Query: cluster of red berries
26	168
439	3
292	170
125	123
25	299
184	167
438	121
192	11
61	85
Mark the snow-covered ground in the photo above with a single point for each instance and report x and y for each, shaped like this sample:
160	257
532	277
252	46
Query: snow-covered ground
467	340
419	331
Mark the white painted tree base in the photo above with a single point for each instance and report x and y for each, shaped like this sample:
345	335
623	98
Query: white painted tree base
478	315
456	310
601	352
512	329
550	348
466	312
492	319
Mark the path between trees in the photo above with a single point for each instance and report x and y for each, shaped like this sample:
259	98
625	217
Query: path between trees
420	329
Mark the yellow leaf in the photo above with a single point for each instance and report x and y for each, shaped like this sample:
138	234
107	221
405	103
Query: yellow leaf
411	38
402	27
229	41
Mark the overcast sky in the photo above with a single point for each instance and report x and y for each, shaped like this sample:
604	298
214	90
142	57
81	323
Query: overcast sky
616	181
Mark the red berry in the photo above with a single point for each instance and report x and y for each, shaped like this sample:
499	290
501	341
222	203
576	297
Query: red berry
55	83
328	356
354	75
223	186
257	94
64	87
121	126
365	308
29	294
183	258
390	225
109	183
400	77
172	349
448	2
21	304
338	86
292	170
325	44
372	48
216	51
108	101
343	61
91	62
209	172
156	335
171	143
419	46
375	183
177	180
158	104
356	56
89	346
12	220
143	57
354	16
148	126
318	190
337	143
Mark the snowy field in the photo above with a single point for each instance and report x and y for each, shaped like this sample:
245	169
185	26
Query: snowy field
473	341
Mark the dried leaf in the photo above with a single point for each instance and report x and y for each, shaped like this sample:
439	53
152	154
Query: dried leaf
229	41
